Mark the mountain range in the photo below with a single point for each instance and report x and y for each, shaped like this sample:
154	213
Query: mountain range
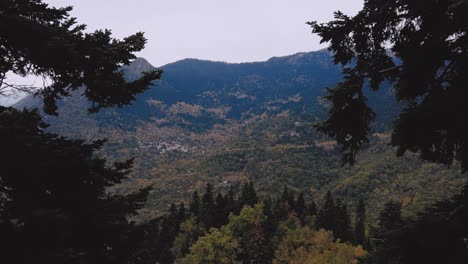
228	123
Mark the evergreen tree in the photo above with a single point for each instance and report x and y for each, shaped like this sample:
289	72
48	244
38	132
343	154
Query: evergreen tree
231	202
207	208
181	214
312	208
342	222
387	238
220	211
248	195
44	41
420	48
300	207
327	214
360	224
55	206
195	205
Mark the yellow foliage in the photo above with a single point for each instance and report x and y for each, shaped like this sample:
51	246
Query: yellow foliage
305	246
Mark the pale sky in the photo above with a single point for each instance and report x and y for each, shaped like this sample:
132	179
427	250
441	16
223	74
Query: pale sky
221	30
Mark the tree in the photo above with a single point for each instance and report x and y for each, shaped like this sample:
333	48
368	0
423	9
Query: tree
360	224
54	205
207	208
217	247
419	47
195	205
387	237
36	39
300	207
327	214
302	245
249	229
189	233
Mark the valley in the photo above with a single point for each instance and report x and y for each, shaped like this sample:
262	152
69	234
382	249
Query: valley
227	124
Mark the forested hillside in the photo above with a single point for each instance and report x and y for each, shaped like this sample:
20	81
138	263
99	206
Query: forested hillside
225	124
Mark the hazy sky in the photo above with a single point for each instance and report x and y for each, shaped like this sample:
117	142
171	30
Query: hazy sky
232	31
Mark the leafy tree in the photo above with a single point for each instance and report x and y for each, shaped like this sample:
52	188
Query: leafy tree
303	245
189	233
40	40
421	48
248	228
217	247
54	207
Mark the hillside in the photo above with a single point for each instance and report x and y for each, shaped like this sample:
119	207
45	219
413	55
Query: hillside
228	123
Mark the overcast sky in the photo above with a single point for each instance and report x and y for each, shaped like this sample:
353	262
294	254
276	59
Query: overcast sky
221	30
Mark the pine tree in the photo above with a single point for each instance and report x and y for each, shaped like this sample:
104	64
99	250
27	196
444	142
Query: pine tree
360	224
56	207
195	205
326	216
312	208
207	208
47	42
389	41
220	211
342	229
181	214
248	195
300	207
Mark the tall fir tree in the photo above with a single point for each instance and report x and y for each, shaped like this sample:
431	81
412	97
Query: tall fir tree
360	225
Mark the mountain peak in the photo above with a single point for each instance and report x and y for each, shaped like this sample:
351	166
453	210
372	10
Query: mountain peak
134	70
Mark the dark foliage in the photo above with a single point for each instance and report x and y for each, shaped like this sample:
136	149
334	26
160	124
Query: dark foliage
54	207
426	64
41	40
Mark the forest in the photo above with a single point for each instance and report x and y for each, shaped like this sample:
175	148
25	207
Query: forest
363	162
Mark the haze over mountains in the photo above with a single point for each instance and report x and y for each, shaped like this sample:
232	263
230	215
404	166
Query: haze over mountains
228	123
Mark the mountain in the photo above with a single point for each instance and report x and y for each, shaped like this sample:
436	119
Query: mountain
228	123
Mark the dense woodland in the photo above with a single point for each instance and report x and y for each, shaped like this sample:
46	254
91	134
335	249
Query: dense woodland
266	196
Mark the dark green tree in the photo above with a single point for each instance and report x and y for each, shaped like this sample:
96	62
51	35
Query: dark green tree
342	223
55	207
420	48
248	195
387	238
300	207
220	212
36	39
207	208
326	216
195	205
312	208
360	224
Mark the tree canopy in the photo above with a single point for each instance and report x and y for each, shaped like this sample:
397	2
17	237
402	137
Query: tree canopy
36	39
421	48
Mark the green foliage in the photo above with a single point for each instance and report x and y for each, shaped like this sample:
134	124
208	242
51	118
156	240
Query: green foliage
217	247
303	245
54	207
41	40
420	47
189	232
